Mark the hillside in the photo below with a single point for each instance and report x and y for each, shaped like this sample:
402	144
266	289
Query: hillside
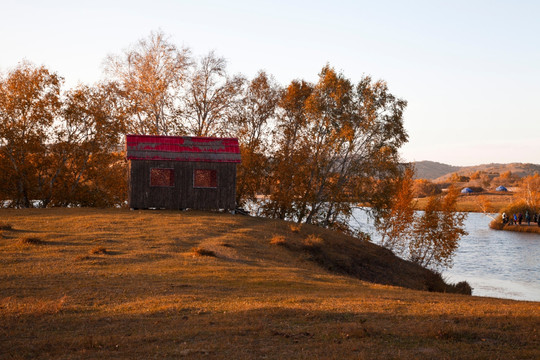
89	283
431	170
441	172
518	169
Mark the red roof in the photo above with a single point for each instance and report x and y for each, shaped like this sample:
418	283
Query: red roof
182	148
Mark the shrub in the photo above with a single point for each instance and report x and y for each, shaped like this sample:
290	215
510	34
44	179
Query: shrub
295	228
200	251
313	243
516	208
496	224
424	187
463	287
31	241
98	250
278	240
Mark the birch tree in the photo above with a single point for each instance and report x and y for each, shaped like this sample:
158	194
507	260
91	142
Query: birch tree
251	123
340	144
209	98
436	232
150	75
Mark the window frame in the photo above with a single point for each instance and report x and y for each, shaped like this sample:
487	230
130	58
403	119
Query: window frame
173	177
214	171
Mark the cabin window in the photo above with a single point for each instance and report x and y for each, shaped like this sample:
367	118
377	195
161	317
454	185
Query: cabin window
203	178
162	177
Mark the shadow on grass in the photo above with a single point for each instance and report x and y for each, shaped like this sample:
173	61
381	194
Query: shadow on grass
268	332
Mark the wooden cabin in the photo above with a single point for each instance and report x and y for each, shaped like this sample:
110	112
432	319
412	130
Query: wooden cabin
180	172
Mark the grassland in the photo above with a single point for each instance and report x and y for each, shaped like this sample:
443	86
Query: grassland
87	284
476	202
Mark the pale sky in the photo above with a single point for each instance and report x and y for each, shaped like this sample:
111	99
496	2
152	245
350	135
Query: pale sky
470	70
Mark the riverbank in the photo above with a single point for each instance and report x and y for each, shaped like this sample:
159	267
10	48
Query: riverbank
477	202
501	264
85	283
533	228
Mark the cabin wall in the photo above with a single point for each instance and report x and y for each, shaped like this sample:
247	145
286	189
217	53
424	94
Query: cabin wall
182	195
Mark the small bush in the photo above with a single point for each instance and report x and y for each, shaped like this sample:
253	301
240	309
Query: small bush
31	241
98	250
295	228
313	243
200	251
463	287
82	257
496	224
516	208
278	240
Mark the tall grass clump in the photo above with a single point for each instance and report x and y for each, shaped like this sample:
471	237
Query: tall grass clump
295	228
497	224
278	240
313	243
200	251
98	250
31	241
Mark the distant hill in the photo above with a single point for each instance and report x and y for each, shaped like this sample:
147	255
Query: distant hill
441	172
518	169
432	170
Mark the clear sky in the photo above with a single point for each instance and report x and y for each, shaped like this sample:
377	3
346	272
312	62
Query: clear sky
470	70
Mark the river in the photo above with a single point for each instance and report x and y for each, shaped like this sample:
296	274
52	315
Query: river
500	264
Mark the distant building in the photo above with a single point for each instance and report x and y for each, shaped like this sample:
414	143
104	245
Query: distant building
179	172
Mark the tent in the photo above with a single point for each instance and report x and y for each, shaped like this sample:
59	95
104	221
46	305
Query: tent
466	190
501	188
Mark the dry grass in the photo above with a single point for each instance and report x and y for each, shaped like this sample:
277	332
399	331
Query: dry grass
200	251
533	228
31	241
98	250
497	224
472	202
313	242
278	240
295	228
153	298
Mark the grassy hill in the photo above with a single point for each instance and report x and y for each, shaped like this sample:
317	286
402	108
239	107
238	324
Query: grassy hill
439	172
518	169
88	283
432	170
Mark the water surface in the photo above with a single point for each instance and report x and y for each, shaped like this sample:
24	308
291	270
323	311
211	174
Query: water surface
500	264
495	263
